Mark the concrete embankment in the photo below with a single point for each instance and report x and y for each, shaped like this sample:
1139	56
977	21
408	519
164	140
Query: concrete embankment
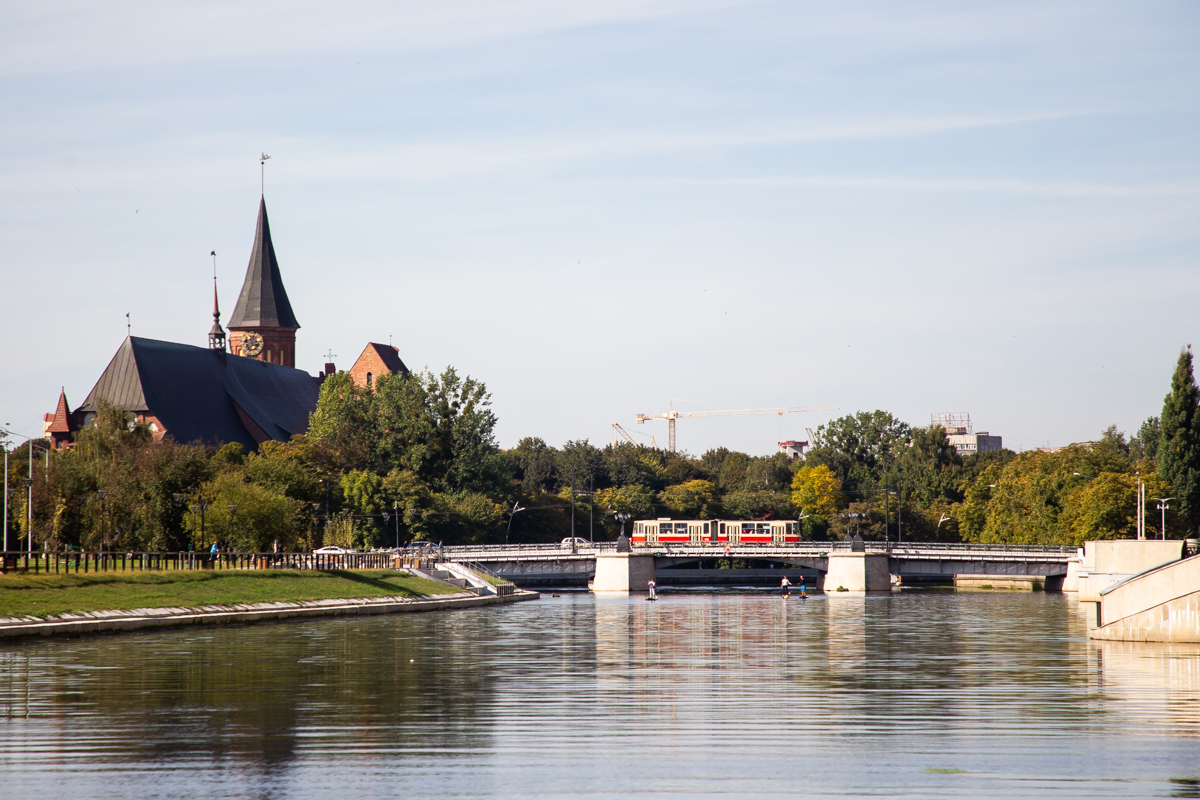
140	619
1159	605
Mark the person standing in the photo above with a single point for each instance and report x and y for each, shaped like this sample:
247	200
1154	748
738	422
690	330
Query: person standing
802	587
785	586
652	588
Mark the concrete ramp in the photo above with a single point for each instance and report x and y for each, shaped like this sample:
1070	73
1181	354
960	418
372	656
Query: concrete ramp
1159	605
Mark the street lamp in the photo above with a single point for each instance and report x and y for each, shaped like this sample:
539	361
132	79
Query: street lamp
200	505
29	514
517	507
102	493
622	517
1163	507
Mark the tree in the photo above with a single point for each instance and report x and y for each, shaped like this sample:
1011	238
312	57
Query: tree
691	500
859	448
817	491
1179	445
1145	444
532	462
633	499
927	468
579	464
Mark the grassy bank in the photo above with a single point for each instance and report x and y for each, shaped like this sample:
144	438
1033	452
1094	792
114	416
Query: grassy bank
47	595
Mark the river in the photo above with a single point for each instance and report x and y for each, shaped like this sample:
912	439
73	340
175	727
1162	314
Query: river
725	694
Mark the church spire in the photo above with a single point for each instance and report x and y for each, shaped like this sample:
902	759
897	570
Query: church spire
263	302
262	325
216	336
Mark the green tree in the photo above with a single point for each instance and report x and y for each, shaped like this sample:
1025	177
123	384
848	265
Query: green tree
927	469
859	448
1179	445
1145	444
632	499
691	500
532	462
259	519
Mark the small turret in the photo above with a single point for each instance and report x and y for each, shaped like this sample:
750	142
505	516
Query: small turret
216	334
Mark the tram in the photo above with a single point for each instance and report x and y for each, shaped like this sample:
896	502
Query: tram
714	531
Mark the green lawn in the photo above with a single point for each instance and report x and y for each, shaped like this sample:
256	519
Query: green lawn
46	595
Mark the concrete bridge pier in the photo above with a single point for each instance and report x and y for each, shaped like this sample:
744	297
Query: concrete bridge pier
622	572
858	572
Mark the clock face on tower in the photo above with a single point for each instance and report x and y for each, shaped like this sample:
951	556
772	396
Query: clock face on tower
252	345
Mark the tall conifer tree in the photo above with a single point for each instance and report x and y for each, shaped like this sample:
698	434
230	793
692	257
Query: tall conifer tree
1179	447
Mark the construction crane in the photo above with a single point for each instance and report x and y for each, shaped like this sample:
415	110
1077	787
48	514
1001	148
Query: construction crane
625	435
672	415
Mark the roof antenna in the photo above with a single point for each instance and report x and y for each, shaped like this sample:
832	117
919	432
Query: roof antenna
128	325
262	171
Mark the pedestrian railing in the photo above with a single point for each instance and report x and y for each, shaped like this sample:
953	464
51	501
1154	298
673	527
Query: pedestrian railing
83	561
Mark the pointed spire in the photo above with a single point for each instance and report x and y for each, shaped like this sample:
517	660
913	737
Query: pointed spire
62	416
263	302
216	336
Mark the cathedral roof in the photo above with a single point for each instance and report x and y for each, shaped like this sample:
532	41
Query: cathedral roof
263	302
198	394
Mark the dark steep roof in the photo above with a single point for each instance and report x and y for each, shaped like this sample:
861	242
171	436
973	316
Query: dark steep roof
206	395
263	302
390	356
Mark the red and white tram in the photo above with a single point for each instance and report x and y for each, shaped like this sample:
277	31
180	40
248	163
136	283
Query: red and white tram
714	531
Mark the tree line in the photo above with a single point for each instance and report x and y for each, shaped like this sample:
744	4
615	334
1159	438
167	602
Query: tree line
416	459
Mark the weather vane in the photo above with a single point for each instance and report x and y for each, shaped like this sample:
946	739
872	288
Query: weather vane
262	161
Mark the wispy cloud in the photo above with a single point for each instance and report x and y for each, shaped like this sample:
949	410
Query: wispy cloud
60	37
1078	189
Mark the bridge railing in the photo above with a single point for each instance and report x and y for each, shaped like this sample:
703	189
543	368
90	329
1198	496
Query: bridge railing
749	548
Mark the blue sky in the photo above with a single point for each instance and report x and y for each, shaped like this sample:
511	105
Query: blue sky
920	207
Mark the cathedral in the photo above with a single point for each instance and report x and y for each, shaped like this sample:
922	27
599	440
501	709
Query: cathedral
247	392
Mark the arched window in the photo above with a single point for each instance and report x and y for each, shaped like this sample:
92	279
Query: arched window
368	380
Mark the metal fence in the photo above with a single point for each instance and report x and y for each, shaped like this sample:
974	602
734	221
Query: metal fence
79	561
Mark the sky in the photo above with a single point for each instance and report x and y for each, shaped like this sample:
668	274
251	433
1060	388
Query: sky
919	207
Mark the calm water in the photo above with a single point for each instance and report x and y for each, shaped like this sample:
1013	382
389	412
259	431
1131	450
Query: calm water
698	695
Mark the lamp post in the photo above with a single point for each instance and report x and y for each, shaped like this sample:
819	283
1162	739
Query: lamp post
622	517
5	445
1163	507
396	512
102	493
517	507
29	514
232	508
200	505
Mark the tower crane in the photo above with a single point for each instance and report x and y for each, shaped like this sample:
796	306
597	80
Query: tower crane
672	415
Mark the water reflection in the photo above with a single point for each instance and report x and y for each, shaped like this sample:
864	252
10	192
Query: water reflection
733	694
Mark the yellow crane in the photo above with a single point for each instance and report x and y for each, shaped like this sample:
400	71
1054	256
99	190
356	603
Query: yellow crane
672	415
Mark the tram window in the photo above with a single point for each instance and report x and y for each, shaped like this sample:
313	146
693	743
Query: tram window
789	528
747	527
706	529
681	527
722	530
664	528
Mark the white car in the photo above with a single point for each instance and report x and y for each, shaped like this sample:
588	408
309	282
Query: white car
575	541
332	550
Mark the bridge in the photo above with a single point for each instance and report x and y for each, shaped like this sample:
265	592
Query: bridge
543	565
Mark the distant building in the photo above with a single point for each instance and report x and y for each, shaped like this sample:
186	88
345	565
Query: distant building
251	394
376	360
793	449
959	431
